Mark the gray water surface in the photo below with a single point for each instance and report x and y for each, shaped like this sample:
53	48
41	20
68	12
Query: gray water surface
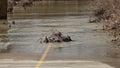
89	41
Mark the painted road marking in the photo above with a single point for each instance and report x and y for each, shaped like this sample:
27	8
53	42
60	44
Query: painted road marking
43	56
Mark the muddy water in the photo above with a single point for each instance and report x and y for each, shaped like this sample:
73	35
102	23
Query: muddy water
89	41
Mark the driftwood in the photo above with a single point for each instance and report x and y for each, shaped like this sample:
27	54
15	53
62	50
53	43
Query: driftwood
57	37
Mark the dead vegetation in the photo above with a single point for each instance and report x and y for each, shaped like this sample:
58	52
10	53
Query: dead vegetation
108	12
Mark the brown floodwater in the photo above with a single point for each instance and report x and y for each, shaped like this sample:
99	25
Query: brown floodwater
89	41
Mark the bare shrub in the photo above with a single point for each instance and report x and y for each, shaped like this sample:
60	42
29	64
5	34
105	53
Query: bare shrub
108	11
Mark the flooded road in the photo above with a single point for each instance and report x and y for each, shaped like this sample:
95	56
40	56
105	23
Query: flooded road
25	35
89	41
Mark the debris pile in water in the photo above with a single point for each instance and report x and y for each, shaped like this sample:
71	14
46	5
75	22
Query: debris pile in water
57	37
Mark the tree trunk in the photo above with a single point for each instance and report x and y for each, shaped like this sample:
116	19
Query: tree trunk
3	9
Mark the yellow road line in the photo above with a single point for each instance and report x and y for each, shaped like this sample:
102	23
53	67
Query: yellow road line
43	56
